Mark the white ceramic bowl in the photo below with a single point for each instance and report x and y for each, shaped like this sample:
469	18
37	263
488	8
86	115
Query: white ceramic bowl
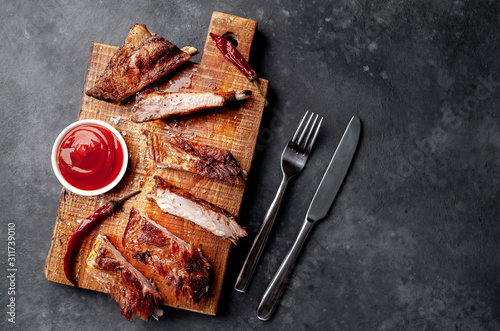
100	190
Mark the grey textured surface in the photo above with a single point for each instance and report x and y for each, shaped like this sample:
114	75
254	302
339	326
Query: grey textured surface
412	240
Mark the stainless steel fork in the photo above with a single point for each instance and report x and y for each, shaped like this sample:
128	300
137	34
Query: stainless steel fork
293	160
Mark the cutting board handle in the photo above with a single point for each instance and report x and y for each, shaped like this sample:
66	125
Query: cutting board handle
242	30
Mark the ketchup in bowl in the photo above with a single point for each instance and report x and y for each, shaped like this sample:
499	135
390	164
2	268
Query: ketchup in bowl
90	157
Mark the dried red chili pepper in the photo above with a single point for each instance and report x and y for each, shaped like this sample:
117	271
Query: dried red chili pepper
232	54
82	230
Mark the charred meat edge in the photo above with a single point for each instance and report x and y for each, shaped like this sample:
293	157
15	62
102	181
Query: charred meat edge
178	262
142	59
176	201
208	161
133	292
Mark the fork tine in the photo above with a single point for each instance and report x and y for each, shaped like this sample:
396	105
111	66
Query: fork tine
313	139
299	128
310	131
304	130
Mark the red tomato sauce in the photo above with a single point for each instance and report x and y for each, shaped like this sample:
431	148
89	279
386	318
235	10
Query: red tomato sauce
89	157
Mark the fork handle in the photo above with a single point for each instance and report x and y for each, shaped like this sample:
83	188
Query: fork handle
260	240
277	286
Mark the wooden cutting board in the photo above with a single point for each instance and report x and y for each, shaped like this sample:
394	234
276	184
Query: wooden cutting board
234	129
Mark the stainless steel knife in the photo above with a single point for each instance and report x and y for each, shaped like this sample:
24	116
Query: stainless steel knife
318	209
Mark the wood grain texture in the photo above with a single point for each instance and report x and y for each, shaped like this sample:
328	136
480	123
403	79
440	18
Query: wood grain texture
234	129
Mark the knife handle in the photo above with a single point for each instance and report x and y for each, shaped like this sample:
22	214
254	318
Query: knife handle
260	240
273	293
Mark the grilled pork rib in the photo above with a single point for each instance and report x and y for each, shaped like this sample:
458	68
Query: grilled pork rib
132	291
179	153
142	59
180	263
176	201
152	105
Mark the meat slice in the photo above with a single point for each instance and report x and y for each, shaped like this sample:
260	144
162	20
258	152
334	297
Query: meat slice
142	59
180	263
176	201
133	292
179	153
152	105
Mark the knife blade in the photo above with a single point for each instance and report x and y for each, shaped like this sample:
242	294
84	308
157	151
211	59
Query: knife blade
335	173
318	209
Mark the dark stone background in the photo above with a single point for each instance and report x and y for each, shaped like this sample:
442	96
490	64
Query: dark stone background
412	240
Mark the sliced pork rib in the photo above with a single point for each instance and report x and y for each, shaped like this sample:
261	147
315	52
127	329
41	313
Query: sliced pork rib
152	105
179	153
180	263
133	292
175	201
142	59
